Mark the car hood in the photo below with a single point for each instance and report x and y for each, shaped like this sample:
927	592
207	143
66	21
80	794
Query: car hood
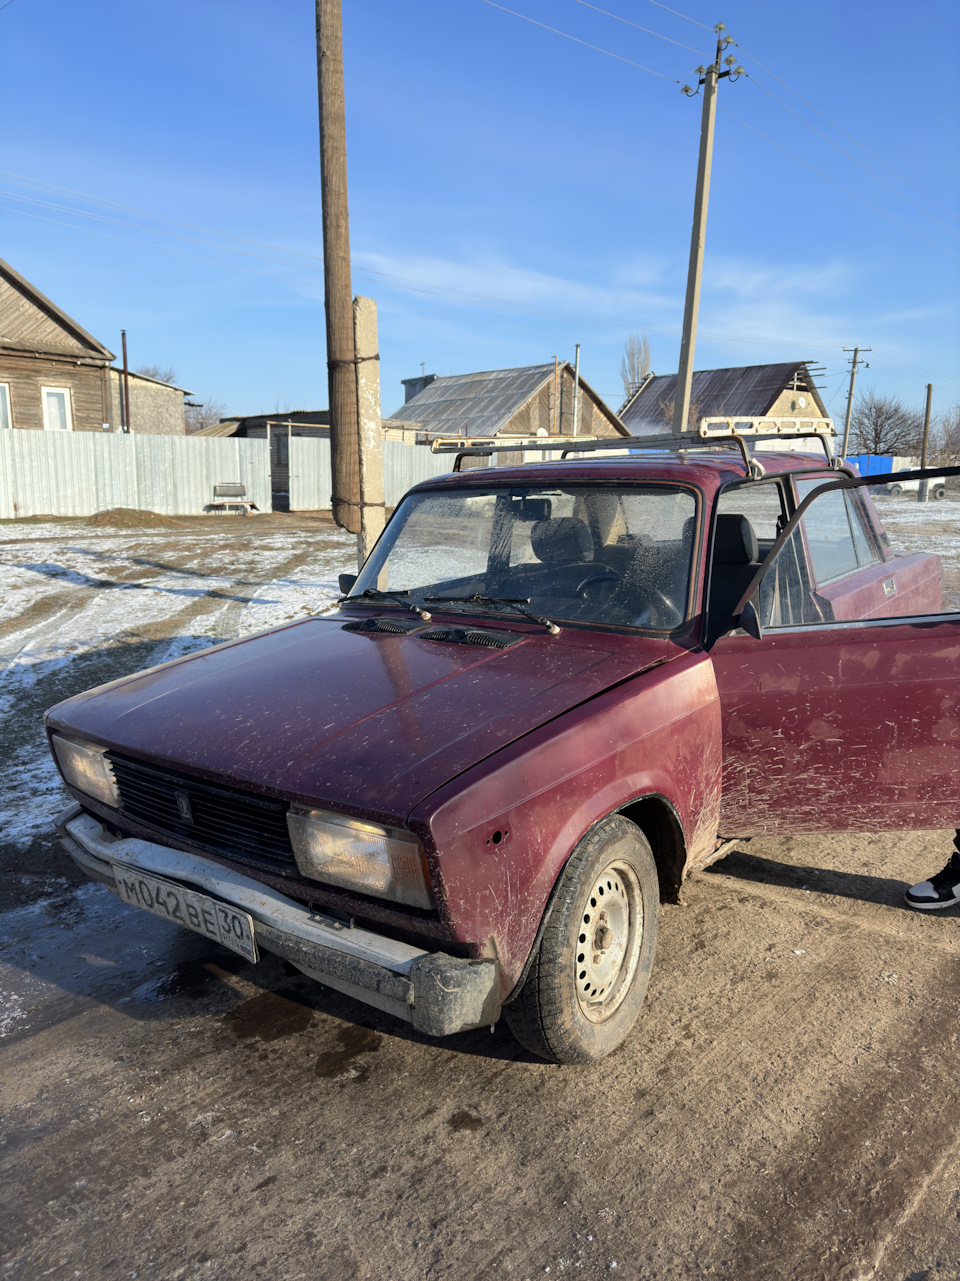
362	720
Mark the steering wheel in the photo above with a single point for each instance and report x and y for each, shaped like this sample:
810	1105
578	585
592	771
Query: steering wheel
603	575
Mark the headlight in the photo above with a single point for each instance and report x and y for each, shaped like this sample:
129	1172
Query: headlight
359	856
86	767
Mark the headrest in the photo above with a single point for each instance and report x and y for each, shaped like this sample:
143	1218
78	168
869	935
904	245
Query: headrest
561	540
735	542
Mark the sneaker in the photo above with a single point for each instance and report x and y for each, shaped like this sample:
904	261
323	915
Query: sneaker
942	890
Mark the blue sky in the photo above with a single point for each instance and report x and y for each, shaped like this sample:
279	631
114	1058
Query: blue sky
513	192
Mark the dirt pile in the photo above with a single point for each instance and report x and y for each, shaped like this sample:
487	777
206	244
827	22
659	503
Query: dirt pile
130	518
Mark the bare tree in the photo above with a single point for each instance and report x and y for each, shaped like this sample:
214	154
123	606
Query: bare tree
635	364
198	416
693	416
162	373
945	443
884	425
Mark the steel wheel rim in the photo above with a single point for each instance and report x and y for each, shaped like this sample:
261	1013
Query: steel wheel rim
608	942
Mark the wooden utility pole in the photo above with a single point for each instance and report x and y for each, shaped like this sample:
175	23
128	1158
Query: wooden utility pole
711	76
923	493
855	361
337	289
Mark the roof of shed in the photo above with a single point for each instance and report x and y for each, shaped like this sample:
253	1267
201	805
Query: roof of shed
481	404
474	404
748	390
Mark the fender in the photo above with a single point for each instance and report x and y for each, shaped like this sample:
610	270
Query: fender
502	832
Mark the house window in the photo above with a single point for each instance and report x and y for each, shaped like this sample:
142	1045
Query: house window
57	415
6	419
283	451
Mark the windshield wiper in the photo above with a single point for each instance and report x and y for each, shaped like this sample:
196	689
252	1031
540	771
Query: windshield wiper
516	603
374	593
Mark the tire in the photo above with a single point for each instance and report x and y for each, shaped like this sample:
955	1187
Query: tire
578	1002
939	492
896	491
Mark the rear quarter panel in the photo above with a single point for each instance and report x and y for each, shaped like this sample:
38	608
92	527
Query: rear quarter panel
503	831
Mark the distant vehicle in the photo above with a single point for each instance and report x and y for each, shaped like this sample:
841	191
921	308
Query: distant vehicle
936	486
553	692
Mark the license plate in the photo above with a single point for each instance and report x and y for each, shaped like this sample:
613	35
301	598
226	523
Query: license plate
218	921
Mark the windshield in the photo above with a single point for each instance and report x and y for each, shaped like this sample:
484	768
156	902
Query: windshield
613	554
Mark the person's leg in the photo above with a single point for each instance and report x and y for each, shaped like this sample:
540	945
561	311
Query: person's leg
943	889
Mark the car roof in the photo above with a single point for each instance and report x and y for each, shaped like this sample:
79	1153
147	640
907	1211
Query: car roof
708	471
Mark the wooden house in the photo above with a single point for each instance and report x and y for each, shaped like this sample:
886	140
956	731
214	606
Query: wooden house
54	376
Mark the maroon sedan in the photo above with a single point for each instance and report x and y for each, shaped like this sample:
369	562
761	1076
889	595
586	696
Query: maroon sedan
553	692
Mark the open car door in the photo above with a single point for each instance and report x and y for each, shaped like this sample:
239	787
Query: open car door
840	688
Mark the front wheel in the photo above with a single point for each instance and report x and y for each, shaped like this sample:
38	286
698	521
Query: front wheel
896	491
586	985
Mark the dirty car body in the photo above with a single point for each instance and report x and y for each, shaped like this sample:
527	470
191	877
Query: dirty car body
532	716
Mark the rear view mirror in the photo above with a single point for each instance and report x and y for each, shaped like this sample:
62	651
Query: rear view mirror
749	620
346	582
531	509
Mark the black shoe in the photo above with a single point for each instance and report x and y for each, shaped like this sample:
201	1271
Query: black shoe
942	890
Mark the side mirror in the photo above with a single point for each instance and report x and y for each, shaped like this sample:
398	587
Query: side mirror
346	582
749	620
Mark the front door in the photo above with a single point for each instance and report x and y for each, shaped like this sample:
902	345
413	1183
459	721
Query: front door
845	714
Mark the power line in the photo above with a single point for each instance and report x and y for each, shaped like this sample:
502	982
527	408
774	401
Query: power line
833	125
175	235
678	14
866	168
112	204
616	17
906	365
821	174
577	40
410	284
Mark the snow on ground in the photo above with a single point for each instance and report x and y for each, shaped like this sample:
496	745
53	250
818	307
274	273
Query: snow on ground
80	592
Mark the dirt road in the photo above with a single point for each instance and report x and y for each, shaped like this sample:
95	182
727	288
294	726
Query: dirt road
785	1109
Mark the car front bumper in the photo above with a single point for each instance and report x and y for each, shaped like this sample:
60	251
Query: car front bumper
436	993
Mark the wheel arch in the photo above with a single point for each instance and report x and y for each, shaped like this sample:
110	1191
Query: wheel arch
658	821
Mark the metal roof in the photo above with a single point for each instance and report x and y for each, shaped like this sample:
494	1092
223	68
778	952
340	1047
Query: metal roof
750	390
474	404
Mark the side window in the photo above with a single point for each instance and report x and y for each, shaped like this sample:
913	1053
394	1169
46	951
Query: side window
763	507
832	569
837	533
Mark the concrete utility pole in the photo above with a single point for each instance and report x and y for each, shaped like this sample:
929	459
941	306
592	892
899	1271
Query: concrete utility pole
923	491
855	361
711	76
576	389
372	511
337	290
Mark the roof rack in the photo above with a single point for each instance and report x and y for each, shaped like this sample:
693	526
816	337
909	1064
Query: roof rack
737	432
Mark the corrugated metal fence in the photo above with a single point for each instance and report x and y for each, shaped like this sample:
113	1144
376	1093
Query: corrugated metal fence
403	466
79	473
